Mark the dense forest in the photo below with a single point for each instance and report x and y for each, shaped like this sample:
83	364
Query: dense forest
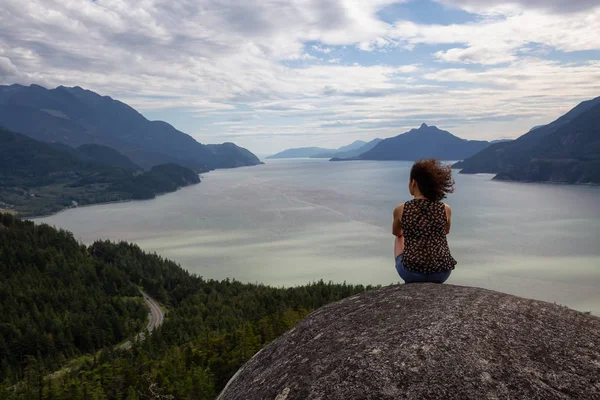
39	178
65	304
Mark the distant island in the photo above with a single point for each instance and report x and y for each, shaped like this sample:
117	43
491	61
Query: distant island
75	117
351	150
39	178
425	142
564	151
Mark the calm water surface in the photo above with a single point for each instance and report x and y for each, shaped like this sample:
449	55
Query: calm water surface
290	222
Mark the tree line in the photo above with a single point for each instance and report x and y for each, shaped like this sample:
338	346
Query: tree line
211	328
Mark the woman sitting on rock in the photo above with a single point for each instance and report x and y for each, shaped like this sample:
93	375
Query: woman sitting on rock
421	225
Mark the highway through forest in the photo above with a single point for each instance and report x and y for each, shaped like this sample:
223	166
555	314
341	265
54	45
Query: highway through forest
156	318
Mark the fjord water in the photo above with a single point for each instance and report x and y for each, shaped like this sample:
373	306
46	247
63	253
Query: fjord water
290	222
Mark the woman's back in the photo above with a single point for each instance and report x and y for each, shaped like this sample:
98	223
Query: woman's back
424	230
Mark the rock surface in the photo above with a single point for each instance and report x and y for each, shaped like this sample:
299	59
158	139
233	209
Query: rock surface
426	341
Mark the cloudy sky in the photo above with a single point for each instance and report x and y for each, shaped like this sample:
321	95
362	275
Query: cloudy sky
273	74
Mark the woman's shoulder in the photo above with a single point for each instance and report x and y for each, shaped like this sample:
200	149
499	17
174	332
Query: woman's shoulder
399	210
448	210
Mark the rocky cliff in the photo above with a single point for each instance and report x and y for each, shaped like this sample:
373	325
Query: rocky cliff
426	341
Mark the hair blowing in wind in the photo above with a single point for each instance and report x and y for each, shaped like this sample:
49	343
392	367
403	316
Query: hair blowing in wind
433	178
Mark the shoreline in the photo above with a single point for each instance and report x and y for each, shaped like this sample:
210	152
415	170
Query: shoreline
200	175
590	184
39	216
34	217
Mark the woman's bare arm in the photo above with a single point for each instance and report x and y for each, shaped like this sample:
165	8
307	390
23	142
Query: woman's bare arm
397	224
448	218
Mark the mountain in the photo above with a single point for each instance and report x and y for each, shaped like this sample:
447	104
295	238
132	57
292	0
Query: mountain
39	178
349	148
357	144
75	116
65	304
357	152
425	142
301	152
566	150
98	154
500	141
104	155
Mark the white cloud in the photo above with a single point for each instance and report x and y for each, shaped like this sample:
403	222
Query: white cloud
559	6
576	32
405	69
213	57
476	55
7	69
321	49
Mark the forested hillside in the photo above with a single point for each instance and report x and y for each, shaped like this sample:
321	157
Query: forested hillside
211	328
57	300
38	178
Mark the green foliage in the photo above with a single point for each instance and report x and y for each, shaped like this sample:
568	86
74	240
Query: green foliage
103	155
38	178
57	300
212	327
160	179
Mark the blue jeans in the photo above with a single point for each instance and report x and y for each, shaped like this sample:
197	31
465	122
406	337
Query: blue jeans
416	277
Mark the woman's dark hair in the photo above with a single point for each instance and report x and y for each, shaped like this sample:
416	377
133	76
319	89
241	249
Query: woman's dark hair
433	178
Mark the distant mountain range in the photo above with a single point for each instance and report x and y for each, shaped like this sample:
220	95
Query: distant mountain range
564	151
74	116
353	151
425	142
301	152
38	178
350	150
331	153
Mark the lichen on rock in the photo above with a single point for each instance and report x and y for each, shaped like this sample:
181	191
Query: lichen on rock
427	341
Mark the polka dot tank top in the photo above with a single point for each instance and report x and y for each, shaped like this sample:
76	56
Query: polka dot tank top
425	244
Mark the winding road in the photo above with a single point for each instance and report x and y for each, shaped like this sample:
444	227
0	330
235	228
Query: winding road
157	315
156	318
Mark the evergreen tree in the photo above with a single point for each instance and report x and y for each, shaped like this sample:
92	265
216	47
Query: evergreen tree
62	300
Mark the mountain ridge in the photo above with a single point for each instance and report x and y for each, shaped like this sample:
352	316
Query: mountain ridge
423	142
75	116
352	147
356	151
300	152
355	148
565	151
